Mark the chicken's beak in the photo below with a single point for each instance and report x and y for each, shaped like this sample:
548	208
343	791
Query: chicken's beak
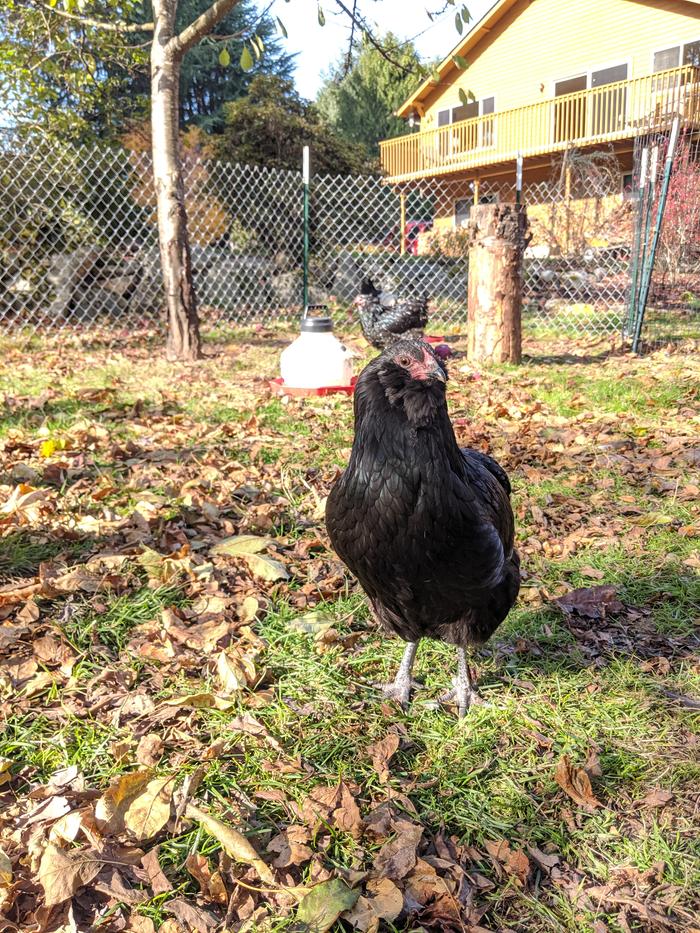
436	372
433	370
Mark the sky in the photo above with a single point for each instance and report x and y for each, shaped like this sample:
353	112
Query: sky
319	47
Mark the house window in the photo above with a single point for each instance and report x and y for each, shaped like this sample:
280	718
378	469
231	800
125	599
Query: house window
474	108
480	134
686	54
465	112
570	114
629	191
443	117
691	54
667	58
487	127
590	115
608	75
463	209
609	107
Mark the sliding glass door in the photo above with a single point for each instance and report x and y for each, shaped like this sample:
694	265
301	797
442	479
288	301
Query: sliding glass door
609	104
570	113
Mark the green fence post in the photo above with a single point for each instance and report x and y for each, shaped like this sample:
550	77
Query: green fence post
658	221
641	196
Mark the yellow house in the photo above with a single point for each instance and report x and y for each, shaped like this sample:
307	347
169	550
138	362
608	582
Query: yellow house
543	76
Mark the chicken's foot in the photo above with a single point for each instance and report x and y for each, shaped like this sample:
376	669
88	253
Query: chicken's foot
463	692
400	688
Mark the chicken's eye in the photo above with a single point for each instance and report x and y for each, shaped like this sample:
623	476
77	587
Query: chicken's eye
404	361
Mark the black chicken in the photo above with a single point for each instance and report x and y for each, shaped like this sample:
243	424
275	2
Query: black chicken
384	319
425	526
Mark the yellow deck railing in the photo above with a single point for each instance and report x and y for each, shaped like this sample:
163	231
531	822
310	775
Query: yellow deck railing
604	114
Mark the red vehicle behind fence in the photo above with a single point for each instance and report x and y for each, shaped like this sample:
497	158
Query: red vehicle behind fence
411	231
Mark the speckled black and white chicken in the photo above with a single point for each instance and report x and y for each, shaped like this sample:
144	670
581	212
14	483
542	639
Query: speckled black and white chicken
385	318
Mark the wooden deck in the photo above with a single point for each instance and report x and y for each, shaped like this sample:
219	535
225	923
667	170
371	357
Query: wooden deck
592	117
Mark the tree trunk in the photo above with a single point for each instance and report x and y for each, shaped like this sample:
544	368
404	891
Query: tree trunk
495	283
183	322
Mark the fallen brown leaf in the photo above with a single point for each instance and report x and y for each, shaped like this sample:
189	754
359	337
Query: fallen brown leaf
514	861
592	602
656	798
576	783
194	918
382	900
210	882
382	753
397	857
62	873
232	841
347	816
290	846
149	750
135	801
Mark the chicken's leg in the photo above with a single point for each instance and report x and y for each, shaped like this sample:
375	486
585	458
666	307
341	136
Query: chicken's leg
463	692
400	688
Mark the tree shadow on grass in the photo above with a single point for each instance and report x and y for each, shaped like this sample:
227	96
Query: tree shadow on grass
560	359
31	412
24	550
259	340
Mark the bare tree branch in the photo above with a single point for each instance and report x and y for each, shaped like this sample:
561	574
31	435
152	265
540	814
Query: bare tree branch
243	33
348	57
360	21
201	27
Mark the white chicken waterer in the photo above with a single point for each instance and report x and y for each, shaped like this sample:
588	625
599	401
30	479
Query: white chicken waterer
316	363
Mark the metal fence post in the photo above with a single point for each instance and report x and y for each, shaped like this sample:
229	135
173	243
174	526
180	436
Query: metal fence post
306	176
402	231
648	270
641	196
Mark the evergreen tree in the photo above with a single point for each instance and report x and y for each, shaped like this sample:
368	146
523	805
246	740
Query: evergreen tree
271	125
359	103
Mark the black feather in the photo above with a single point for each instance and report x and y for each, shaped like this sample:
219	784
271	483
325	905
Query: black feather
382	325
426	527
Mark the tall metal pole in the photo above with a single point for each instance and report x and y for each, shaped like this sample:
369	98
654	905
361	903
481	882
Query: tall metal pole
658	221
518	178
650	196
402	234
641	196
306	176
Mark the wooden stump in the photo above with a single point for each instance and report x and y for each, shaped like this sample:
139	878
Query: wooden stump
495	283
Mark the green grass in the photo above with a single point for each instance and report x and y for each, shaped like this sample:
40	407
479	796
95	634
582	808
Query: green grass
487	777
107	631
569	393
552	687
22	552
38	743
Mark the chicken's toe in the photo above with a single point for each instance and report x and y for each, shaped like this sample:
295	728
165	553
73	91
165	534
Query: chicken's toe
399	689
462	696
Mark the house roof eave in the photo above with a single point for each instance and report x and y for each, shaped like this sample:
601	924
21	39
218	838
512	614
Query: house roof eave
481	28
478	31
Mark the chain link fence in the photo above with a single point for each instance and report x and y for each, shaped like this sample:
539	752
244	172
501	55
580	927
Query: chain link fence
78	241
